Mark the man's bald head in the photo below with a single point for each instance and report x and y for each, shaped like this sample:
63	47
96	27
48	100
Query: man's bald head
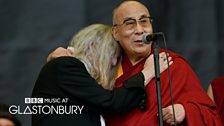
124	6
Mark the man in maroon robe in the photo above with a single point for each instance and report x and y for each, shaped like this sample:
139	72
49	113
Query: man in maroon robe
192	106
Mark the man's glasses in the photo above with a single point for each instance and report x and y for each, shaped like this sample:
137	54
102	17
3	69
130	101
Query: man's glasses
130	23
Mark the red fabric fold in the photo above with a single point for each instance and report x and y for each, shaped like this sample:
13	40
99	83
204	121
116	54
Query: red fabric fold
218	93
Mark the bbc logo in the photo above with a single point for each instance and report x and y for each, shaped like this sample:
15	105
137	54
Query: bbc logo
34	100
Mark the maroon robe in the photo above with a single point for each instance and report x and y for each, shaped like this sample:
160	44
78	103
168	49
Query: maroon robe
218	93
199	109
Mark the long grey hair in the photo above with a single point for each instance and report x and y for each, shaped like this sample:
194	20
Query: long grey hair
95	47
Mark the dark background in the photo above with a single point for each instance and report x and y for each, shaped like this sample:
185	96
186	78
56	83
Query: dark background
31	29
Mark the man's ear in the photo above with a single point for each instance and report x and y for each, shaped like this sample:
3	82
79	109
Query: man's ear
114	33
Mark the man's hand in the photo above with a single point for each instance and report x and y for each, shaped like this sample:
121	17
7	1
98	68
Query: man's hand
168	114
60	51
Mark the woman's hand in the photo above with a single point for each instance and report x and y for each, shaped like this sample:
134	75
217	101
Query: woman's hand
60	51
149	70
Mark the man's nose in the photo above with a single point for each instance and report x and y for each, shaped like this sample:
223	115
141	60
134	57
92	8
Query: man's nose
139	29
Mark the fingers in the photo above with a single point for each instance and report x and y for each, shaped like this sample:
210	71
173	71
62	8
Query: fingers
58	53
168	115
164	61
163	56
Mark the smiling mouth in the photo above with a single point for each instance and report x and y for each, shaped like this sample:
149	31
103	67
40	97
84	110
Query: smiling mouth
138	41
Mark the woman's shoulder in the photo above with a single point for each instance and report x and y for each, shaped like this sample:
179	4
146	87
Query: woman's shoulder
66	61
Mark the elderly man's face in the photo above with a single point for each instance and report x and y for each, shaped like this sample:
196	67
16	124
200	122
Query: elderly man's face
131	21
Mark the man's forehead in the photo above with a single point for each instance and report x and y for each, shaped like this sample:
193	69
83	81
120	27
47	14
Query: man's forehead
134	14
139	16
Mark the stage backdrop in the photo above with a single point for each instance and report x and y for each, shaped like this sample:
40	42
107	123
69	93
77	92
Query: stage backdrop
31	29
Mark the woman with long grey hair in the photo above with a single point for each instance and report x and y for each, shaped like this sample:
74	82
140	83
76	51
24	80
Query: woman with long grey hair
86	79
